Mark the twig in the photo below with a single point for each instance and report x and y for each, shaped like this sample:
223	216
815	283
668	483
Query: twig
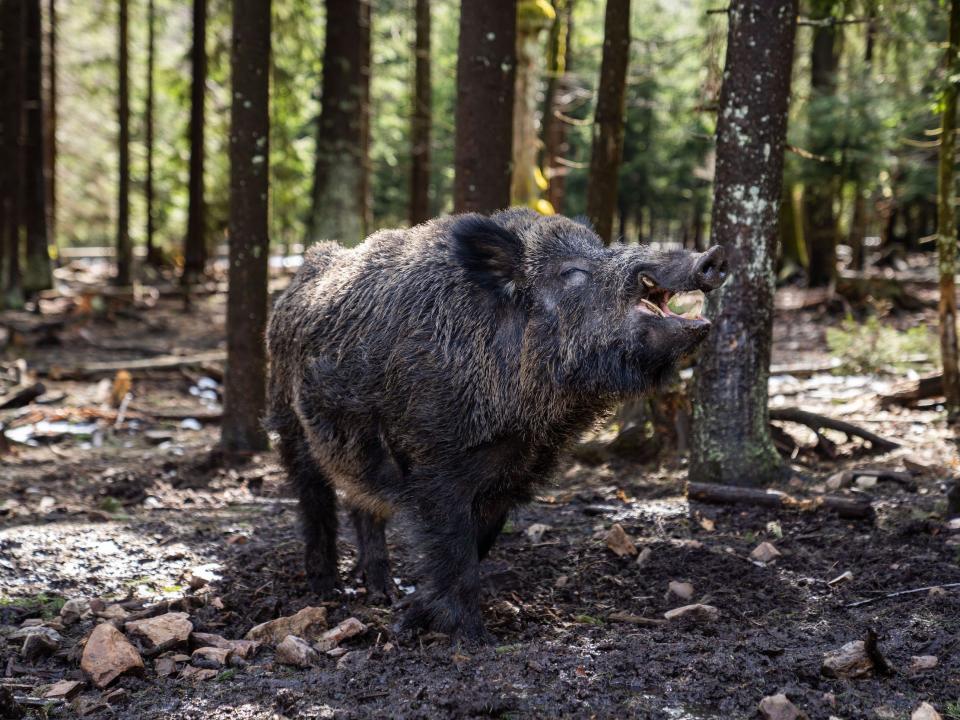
733	495
912	591
816	422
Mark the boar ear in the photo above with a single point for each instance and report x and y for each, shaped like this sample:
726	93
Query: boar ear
490	254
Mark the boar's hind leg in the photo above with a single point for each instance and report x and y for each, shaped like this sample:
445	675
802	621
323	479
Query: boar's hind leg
373	561
489	532
318	505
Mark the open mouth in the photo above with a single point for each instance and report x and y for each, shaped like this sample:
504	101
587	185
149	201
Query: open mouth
668	304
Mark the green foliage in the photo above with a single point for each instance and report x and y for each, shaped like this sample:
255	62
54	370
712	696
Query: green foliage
871	345
48	605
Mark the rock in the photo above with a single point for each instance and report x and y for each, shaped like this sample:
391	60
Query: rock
74	611
765	552
43	642
116	696
24	632
84	705
31	622
309	623
112	612
536	531
866	482
244	649
619	542
779	707
201	575
353	660
163	631
294	650
561	581
108	655
211	657
682	590
644	557
333	637
850	661
836	481
64	690
921	663
925	711
698	612
194	673
164	667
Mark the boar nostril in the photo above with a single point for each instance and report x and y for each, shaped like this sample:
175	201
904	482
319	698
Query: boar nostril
710	270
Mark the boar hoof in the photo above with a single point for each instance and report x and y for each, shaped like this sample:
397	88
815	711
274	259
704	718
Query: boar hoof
439	615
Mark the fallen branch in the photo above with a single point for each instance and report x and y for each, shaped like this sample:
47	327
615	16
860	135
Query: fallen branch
734	495
913	391
166	362
912	591
819	422
23	396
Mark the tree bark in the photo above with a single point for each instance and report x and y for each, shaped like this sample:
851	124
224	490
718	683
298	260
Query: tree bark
124	248
607	151
731	435
195	250
486	73
50	124
37	273
422	119
11	162
946	221
245	377
341	188
558	82
153	255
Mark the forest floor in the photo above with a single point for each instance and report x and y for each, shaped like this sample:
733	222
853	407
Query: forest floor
128	513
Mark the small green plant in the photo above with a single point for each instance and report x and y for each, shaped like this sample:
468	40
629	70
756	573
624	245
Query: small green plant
226	675
868	346
952	710
49	605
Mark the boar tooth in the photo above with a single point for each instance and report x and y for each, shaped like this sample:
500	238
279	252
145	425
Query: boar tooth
647	281
656	310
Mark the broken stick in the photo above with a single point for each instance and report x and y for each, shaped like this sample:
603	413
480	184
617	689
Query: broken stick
734	495
167	362
817	422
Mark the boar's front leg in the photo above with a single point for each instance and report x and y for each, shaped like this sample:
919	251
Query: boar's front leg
373	560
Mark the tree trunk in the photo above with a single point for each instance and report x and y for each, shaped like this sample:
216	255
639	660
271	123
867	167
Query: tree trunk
946	222
11	162
422	118
486	73
341	188
195	250
245	376
731	436
124	248
607	150
153	254
820	220
50	124
558	83
37	273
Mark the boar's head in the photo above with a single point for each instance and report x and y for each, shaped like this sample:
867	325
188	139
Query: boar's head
589	319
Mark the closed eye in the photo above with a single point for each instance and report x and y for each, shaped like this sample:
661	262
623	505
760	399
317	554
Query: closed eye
575	275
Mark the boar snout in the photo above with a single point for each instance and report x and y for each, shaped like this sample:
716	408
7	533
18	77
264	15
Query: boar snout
710	270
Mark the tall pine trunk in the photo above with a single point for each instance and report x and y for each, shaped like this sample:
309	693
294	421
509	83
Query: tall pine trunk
37	274
153	254
731	435
486	73
341	203
558	83
946	220
11	161
422	119
195	250
50	123
124	248
245	376
607	151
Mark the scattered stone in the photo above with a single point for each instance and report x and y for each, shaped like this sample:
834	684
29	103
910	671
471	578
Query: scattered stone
353	660
294	650
850	661
162	632
116	696
85	705
866	482
561	581
198	577
779	707
64	690
108	655
211	657
925	711
841	579
765	553
346	629
309	623
43	642
194	673
25	632
74	611
337	652
619	542
112	612
644	557
682	590
836	481
31	622
698	612
164	667
536	531
180	657
921	663
953	525
244	649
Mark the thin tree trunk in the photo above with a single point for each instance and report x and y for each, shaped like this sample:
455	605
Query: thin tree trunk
731	436
50	123
532	19
422	119
11	162
607	151
37	273
946	222
124	248
195	250
341	188
245	376
558	81
486	73
153	255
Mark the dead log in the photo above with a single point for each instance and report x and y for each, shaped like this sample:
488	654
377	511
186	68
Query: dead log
821	422
166	362
23	396
734	495
913	391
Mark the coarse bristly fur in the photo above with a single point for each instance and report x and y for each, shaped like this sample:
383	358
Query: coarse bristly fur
438	372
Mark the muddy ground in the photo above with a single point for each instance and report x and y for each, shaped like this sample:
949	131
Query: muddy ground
125	512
